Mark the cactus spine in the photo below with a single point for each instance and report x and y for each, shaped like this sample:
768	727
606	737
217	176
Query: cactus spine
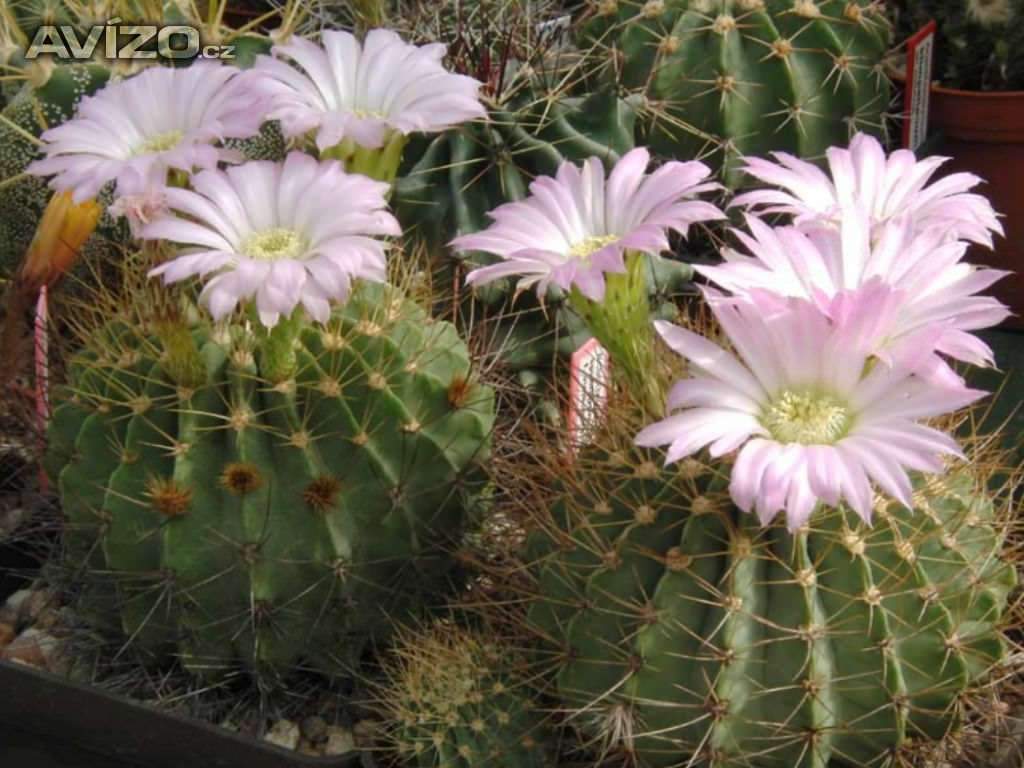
686	634
454	698
728	78
263	502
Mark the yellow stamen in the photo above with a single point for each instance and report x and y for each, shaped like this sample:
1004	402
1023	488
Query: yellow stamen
808	418
584	248
274	244
159	143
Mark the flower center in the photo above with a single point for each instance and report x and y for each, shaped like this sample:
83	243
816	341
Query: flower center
584	248
808	418
160	143
274	244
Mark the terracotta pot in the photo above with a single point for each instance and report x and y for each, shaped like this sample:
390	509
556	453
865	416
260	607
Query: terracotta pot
983	132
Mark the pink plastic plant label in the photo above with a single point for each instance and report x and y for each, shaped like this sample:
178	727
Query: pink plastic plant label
590	373
920	49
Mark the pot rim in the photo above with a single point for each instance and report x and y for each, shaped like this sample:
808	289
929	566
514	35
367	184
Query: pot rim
937	87
985	95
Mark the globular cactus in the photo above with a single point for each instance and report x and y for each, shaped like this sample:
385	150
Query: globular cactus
683	633
454	697
236	510
729	78
48	99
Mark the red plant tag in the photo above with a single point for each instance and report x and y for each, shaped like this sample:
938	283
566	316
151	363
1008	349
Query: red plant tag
589	380
42	373
920	50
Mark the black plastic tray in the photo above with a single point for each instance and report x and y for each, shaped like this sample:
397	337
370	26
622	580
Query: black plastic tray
53	716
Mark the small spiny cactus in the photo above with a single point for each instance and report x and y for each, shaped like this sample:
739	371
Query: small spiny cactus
979	42
454	698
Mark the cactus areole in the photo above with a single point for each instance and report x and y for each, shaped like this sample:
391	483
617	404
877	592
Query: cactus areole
726	79
683	632
238	504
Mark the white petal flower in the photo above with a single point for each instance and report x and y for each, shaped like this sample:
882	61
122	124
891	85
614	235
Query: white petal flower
345	90
813	418
287	234
864	177
933	287
133	131
574	228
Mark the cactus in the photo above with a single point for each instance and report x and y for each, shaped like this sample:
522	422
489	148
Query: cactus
39	105
454	698
978	46
686	634
728	78
268	144
29	15
233	509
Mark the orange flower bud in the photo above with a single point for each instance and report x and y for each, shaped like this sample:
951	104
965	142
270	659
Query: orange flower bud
65	226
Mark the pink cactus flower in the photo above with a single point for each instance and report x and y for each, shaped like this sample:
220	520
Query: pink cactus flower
133	131
812	417
364	92
934	286
574	228
275	232
886	187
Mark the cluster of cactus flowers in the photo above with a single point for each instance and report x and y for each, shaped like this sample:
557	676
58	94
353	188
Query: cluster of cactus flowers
266	454
684	622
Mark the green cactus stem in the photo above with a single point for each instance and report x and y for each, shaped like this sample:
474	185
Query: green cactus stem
725	79
684	633
277	500
622	323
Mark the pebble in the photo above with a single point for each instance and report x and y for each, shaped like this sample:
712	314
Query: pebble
309	748
284	733
340	741
33	647
36	604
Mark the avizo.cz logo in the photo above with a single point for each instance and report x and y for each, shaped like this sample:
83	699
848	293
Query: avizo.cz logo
124	41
